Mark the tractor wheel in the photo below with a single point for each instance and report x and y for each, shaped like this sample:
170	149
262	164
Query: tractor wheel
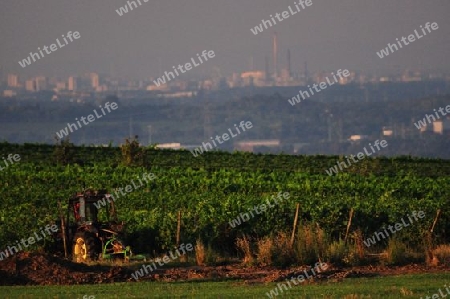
84	247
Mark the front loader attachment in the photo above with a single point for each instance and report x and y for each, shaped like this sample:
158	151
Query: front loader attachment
115	249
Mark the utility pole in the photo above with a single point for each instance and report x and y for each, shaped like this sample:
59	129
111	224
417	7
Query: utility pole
149	127
329	127
130	126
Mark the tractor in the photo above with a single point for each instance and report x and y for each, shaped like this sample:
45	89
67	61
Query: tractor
91	225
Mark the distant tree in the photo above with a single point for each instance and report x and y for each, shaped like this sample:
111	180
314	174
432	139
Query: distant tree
132	153
64	151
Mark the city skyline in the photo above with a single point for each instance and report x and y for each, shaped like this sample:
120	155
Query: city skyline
13	84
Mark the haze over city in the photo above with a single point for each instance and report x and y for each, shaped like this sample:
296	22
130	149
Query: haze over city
159	34
179	74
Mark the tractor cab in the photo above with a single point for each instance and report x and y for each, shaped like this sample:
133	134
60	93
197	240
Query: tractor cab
84	212
88	206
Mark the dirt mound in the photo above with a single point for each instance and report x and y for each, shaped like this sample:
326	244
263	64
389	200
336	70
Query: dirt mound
209	273
40	269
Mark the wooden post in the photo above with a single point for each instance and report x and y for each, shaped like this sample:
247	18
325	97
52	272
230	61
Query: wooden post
431	259
63	228
320	242
183	258
438	213
295	225
349	223
178	228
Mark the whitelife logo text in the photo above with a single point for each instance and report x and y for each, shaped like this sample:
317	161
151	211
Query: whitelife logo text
259	209
187	67
90	118
225	137
162	261
283	286
53	47
281	16
430	117
323	85
11	158
124	9
340	164
411	38
393	228
147	177
11	250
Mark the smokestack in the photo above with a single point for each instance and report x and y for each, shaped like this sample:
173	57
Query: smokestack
275	55
306	74
267	69
289	63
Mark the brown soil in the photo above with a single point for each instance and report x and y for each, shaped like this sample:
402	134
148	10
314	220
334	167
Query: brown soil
41	269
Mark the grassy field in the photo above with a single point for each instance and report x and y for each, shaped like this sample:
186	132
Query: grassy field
404	286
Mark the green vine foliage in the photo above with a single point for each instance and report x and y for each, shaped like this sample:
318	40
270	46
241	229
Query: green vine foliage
213	190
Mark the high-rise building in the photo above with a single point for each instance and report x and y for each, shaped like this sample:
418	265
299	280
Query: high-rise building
307	80
60	85
266	69
13	80
289	63
30	85
41	83
2	78
94	80
72	83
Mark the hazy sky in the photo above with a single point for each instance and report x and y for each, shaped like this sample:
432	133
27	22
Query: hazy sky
330	34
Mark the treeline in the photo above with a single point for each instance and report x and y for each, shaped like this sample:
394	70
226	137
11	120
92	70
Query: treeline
67	153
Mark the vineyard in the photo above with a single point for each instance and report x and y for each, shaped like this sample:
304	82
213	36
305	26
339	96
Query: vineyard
210	190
